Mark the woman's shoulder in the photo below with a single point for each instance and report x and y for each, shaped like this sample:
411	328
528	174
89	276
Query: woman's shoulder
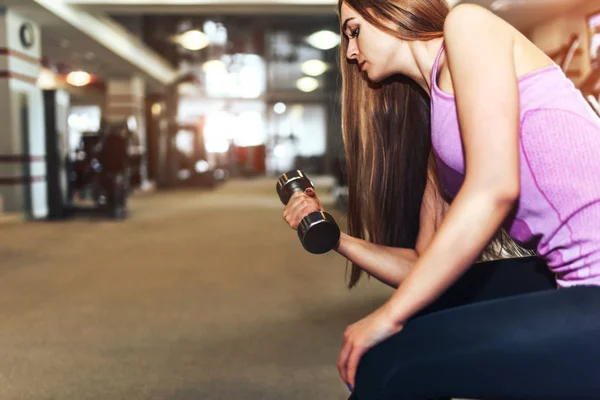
468	14
477	20
474	21
470	31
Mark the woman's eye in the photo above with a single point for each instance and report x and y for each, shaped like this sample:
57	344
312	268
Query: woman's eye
354	33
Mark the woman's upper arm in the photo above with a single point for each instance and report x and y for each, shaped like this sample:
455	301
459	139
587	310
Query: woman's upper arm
480	54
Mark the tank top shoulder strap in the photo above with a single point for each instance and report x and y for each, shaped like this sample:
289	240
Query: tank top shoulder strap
436	64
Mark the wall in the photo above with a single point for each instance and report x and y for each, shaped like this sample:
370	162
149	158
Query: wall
555	33
22	157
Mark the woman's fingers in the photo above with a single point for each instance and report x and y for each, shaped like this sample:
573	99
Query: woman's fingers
352	363
310	192
345	351
298	207
343	360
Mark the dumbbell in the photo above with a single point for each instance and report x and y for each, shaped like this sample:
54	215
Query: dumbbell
318	231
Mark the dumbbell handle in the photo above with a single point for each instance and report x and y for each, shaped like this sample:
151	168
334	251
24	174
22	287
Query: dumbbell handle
299	189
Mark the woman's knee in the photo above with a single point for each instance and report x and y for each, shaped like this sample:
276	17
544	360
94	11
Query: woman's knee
381	369
372	369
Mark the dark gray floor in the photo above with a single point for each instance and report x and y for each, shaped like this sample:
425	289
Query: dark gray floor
199	295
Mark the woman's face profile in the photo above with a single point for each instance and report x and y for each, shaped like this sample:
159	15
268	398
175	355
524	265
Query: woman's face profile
368	47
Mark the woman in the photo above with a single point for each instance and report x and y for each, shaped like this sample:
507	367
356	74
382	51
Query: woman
512	145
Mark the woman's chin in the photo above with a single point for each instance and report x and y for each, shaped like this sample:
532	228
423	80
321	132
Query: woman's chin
368	75
374	76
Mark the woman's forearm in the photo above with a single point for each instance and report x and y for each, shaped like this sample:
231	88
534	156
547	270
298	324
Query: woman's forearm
470	223
388	264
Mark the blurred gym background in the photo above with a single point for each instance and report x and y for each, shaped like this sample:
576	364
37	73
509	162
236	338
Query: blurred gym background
142	250
201	92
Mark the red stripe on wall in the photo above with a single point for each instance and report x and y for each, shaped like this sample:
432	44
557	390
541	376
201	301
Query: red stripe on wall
123	98
20	158
19	77
21	180
22	56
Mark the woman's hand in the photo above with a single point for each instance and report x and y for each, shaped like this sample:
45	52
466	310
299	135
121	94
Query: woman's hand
360	337
300	205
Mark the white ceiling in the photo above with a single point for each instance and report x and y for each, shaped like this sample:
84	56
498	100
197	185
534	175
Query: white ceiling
208	6
64	43
524	14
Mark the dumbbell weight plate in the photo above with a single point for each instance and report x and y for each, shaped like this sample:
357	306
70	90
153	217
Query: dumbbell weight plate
318	232
291	181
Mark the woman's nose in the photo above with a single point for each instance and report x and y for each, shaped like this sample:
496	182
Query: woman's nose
352	53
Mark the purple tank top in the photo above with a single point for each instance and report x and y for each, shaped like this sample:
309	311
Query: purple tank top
558	211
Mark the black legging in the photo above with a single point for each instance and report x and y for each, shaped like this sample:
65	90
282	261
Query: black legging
538	343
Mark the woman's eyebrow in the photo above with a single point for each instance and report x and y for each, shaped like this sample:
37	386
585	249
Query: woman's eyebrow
345	24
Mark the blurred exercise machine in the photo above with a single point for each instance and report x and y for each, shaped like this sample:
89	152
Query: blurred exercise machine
589	85
56	109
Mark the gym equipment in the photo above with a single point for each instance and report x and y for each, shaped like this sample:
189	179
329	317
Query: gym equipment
318	231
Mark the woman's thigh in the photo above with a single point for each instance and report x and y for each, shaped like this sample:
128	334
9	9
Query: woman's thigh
496	279
542	346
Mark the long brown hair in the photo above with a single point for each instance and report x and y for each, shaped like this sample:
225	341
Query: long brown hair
387	133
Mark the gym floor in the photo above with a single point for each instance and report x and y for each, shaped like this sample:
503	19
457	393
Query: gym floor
198	295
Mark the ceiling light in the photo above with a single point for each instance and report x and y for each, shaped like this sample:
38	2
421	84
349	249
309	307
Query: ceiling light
314	67
79	78
279	108
47	80
156	109
307	84
193	40
213	66
324	40
187	89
